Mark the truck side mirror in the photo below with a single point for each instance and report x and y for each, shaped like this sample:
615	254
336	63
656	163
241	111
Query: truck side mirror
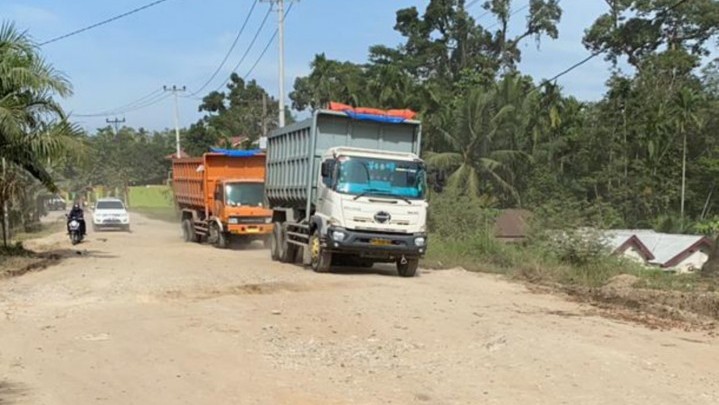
325	170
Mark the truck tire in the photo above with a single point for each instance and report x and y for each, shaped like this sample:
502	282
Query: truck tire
188	231
275	241
408	269
219	239
287	251
321	259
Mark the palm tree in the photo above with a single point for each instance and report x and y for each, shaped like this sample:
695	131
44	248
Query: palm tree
33	126
479	159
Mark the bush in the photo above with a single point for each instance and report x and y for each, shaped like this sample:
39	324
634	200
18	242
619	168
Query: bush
456	217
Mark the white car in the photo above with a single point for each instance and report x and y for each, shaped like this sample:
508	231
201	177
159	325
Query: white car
110	213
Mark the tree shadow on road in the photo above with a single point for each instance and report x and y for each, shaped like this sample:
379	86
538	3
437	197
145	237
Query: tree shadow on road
11	393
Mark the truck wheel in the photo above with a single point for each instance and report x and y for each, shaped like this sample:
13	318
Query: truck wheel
408	269
188	231
321	259
223	240
275	240
217	237
287	251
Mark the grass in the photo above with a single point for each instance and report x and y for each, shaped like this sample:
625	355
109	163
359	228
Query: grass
45	229
150	197
533	264
167	214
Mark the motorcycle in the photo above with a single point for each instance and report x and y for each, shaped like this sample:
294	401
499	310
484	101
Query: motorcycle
75	231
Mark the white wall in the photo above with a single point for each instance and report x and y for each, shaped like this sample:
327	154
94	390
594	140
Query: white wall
693	262
633	254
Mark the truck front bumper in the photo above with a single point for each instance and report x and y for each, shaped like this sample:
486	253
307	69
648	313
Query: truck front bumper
249	230
376	245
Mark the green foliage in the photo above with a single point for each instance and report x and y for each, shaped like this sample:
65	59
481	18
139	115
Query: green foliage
151	197
244	110
445	222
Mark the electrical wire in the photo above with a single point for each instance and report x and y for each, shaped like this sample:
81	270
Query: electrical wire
101	23
269	43
229	51
594	54
143	102
249	48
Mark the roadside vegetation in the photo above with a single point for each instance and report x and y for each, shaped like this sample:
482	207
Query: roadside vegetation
644	155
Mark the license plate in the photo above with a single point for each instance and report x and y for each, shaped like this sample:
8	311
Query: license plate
380	242
252	230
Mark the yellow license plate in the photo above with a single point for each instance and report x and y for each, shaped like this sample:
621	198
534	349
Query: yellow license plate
253	230
380	242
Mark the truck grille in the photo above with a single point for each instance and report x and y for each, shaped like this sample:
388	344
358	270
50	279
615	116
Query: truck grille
399	222
249	220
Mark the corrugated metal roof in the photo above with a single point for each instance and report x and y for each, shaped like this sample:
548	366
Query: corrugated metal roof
664	246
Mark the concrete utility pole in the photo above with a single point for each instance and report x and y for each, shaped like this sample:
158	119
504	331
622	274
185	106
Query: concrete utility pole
281	39
115	123
174	89
264	114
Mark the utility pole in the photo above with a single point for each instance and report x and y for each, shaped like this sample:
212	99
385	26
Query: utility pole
174	89
264	114
115	123
281	39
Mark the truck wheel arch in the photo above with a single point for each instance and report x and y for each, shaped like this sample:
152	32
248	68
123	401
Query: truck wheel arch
318	222
218	223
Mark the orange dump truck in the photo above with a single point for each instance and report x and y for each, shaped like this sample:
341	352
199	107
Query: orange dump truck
221	197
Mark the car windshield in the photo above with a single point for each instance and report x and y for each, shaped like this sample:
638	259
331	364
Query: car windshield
382	177
109	205
247	194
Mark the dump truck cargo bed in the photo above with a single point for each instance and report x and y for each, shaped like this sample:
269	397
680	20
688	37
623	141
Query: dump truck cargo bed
294	152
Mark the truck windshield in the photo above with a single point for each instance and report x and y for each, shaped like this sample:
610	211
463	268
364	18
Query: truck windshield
381	177
247	194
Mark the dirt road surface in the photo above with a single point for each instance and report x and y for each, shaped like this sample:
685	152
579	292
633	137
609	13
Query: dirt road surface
143	318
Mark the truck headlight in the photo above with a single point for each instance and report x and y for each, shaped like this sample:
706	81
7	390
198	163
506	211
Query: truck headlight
338	236
268	220
234	221
420	241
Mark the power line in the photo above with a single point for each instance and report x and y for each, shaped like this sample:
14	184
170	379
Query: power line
267	47
249	48
148	98
134	106
109	20
229	51
594	54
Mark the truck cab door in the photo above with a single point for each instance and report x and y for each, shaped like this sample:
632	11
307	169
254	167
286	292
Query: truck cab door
325	196
219	201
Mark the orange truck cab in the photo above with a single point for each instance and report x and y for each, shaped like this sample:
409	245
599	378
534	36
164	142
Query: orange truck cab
221	197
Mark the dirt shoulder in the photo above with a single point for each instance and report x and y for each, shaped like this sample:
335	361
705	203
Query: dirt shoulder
145	318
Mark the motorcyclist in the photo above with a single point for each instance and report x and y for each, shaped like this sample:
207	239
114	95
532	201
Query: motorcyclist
77	214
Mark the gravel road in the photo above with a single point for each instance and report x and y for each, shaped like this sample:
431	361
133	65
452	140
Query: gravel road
143	318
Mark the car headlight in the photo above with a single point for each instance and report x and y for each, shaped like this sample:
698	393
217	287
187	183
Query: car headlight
338	236
420	241
268	220
234	221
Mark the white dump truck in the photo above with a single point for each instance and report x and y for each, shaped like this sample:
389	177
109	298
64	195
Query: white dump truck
348	188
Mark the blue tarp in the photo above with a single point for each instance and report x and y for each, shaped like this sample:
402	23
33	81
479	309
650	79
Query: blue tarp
237	153
376	118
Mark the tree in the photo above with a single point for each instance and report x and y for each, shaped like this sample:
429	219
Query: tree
245	109
483	158
636	29
33	127
686	105
330	80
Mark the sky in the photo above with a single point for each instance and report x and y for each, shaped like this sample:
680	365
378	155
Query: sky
182	42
